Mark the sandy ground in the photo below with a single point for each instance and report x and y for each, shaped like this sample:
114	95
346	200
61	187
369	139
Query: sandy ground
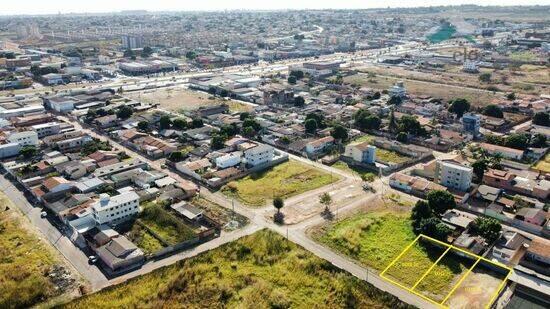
182	99
475	291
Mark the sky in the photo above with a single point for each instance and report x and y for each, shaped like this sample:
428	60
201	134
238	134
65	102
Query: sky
11	7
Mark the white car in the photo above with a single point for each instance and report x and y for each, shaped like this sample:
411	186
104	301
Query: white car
43	214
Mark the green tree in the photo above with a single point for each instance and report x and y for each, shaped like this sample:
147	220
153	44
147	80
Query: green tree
124	112
176	156
191	55
146	52
299	101
440	201
517	141
488	228
485	77
179	123
278	203
511	96
244	115
420	211
297	74
459	107
541	119
326	200
392	122
395	100
538	141
402	137
339	132
435	228
28	151
129	53
197	123
291	80
410	125
364	120
143	126
493	110
311	126
217	141
165	122
479	167
249	132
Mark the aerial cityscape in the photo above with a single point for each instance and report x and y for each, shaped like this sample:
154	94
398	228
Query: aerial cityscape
277	156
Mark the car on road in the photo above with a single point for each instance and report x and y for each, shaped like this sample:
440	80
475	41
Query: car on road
92	259
43	214
368	187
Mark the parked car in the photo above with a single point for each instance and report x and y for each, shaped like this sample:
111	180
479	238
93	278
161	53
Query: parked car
92	259
43	214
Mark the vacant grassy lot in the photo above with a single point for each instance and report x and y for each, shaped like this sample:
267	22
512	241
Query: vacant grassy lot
169	227
544	164
259	271
25	262
359	237
363	173
284	180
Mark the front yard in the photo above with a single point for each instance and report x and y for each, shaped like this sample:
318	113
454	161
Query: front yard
262	270
284	180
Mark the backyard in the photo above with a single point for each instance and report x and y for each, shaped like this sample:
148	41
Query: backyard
544	164
31	272
381	154
284	180
262	270
156	227
222	215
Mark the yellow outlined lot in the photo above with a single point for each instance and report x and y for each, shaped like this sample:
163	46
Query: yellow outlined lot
447	247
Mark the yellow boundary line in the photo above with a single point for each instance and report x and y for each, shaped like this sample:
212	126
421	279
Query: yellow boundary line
449	247
459	282
430	269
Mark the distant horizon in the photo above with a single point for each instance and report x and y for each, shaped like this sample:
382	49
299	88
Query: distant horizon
167	6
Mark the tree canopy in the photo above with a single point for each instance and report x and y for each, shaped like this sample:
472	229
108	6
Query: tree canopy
493	110
459	107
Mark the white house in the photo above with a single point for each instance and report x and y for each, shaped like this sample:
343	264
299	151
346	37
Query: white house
319	145
398	90
115	209
228	160
505	152
453	175
46	129
24	138
9	150
259	155
362	152
73	143
61	104
52	79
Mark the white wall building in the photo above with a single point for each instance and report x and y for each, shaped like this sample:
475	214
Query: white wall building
363	152
46	129
24	138
228	160
115	209
398	90
453	175
259	155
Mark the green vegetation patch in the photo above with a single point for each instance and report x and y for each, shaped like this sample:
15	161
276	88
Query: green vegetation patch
373	239
365	174
25	262
444	32
284	180
166	225
262	270
144	239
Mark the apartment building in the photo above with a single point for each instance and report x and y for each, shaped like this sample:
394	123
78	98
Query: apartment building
363	152
259	155
453	175
24	138
46	129
115	209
